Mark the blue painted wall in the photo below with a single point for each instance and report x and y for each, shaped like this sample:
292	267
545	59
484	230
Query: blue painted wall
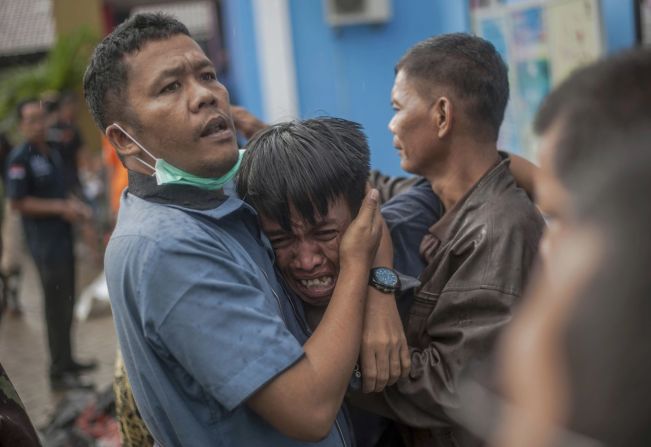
348	72
619	24
242	76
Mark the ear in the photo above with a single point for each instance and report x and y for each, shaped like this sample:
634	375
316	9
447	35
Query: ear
442	112
124	146
127	150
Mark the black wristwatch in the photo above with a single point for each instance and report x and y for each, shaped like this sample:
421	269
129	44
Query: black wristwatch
384	279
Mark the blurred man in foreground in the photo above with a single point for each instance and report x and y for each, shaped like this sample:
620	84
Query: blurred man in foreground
576	360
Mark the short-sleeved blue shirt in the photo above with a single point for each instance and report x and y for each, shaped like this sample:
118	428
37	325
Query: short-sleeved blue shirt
202	320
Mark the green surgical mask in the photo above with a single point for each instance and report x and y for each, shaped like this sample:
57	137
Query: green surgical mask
168	174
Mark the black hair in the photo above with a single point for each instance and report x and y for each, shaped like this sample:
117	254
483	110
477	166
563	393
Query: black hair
598	108
471	67
21	105
306	164
105	80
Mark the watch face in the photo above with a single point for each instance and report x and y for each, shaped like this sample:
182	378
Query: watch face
385	277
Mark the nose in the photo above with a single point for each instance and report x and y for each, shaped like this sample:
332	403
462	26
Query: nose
307	256
391	126
202	96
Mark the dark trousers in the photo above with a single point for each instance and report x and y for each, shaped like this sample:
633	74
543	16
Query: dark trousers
58	281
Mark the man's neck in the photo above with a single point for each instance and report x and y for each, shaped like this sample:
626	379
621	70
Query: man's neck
313	315
464	167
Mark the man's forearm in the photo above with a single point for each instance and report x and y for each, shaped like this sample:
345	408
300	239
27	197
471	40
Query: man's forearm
39	207
334	347
303	401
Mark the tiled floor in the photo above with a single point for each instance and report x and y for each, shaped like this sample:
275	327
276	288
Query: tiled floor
23	350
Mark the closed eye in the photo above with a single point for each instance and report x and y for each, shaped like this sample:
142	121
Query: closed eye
326	235
280	242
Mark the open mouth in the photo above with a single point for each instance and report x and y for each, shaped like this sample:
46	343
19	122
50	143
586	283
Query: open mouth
317	283
214	126
315	290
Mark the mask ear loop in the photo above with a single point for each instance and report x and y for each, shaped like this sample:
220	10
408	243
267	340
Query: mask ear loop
153	168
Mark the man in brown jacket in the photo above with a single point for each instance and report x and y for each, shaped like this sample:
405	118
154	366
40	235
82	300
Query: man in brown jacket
449	97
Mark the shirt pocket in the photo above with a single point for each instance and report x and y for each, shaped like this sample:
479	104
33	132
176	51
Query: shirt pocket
421	309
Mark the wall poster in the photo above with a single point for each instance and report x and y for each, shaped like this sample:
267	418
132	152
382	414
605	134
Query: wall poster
542	41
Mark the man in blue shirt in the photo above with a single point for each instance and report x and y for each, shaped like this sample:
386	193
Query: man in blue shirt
216	351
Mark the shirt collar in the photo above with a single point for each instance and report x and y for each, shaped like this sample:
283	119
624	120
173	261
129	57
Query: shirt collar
440	231
185	196
212	204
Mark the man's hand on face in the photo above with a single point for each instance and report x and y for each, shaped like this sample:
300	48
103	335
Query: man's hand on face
384	352
360	242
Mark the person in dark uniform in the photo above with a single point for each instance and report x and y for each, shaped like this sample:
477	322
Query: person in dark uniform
37	189
65	135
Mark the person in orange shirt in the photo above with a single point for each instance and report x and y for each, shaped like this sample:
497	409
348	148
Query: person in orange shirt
117	175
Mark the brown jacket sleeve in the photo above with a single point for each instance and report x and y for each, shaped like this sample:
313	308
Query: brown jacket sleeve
461	332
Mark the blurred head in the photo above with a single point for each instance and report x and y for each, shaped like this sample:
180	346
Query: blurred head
153	80
578	349
592	114
306	179
51	101
602	102
68	107
31	120
452	81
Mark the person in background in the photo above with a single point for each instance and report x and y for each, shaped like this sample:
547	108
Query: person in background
116	174
78	165
64	133
36	188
